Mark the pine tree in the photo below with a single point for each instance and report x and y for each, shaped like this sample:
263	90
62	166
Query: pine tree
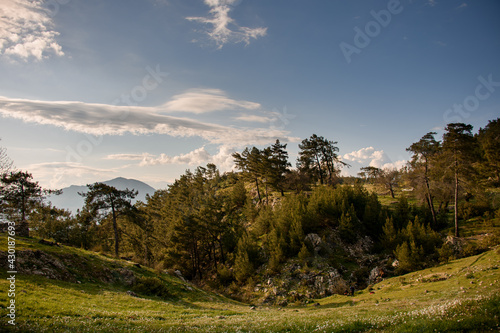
243	267
459	143
424	153
108	199
489	140
19	196
318	157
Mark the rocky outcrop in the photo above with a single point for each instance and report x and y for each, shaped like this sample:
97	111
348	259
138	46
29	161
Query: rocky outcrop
68	267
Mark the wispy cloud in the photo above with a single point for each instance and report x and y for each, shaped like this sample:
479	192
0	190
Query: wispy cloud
254	118
26	31
61	174
222	28
104	119
431	3
462	6
440	43
207	100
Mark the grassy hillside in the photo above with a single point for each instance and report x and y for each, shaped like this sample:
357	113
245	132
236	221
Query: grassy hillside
461	295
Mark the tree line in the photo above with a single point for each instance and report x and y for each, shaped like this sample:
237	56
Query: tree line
226	228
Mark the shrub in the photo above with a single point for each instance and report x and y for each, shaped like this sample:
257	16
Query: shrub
467	210
225	275
151	286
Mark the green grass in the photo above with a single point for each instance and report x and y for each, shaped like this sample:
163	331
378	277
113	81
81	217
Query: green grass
462	295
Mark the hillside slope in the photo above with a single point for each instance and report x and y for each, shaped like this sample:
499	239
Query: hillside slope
93	293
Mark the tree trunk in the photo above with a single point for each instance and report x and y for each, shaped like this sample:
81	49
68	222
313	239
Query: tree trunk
223	258
267	196
456	198
115	229
257	185
23	228
433	211
392	191
429	201
320	172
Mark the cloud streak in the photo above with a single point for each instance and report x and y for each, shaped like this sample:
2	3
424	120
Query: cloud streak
222	28
26	31
104	119
60	174
207	100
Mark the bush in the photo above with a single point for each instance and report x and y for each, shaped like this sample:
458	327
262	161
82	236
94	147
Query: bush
151	286
447	252
225	275
467	210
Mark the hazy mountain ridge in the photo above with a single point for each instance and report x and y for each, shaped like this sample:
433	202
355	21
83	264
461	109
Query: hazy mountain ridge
71	200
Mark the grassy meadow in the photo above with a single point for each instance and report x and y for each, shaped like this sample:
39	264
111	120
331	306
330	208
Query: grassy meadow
462	295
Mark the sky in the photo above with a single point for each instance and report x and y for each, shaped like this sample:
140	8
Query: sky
91	90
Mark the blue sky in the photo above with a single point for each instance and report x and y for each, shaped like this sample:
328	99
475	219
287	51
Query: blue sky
145	89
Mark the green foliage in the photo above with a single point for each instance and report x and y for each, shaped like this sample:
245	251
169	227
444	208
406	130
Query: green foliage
19	196
390	238
417	245
232	230
468	209
151	286
489	142
247	258
110	202
239	194
319	159
275	244
304	254
402	213
349	225
224	275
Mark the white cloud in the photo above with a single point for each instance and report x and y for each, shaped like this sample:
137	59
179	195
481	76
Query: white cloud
462	6
223	28
223	159
104	119
370	157
196	157
26	30
207	100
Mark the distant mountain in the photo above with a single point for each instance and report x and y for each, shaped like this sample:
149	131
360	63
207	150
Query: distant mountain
71	200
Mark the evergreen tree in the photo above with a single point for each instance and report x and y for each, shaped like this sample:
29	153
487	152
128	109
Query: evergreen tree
278	166
424	152
458	144
318	157
108	199
19	195
489	140
243	265
250	163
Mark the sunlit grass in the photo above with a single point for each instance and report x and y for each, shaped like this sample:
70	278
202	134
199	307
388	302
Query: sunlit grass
460	295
